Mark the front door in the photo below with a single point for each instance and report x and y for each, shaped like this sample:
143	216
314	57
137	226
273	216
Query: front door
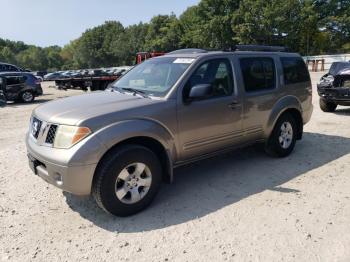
214	122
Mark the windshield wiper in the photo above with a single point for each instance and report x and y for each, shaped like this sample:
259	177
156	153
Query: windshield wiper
135	91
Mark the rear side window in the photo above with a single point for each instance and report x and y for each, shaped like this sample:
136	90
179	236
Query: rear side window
294	70
15	80
258	73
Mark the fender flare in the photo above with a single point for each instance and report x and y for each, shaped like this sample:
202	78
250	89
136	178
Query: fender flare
281	106
114	134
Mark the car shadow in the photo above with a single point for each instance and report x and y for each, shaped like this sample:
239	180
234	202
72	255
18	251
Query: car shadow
204	187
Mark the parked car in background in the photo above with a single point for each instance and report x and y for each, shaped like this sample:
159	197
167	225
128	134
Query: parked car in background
166	112
40	74
2	91
52	76
21	86
334	87
4	67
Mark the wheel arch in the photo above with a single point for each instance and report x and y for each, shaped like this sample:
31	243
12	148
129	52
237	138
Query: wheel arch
291	105
145	133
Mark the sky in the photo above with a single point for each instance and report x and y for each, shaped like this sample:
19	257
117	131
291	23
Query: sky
57	22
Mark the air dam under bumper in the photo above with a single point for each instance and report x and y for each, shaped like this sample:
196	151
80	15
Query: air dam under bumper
73	179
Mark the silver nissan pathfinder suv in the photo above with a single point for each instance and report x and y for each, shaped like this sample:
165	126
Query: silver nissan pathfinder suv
190	104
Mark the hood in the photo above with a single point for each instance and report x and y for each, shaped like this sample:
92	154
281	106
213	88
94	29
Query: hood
77	109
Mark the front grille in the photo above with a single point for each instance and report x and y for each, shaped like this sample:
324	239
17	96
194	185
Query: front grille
51	134
36	126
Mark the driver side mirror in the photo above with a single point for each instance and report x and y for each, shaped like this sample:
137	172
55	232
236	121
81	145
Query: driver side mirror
201	91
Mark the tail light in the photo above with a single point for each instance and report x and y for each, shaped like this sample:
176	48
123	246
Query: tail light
37	81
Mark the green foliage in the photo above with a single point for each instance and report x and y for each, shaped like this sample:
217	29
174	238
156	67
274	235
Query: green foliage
305	26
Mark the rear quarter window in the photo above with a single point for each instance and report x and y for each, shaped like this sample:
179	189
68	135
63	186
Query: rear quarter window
294	70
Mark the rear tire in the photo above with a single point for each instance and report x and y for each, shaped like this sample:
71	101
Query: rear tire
283	137
327	106
27	96
119	188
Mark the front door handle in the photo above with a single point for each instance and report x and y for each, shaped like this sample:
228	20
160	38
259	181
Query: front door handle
234	104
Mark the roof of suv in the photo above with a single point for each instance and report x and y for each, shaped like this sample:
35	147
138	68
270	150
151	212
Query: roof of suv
16	74
195	53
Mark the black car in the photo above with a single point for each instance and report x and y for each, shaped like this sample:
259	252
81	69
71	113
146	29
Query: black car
2	92
21	86
4	67
334	87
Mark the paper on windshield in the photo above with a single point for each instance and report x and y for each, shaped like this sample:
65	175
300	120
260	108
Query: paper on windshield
137	83
183	61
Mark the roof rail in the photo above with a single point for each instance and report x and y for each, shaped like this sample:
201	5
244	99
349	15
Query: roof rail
263	48
188	51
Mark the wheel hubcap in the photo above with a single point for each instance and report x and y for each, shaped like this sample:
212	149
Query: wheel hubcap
133	183
286	135
27	96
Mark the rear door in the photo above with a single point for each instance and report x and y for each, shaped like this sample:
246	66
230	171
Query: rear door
14	85
260	87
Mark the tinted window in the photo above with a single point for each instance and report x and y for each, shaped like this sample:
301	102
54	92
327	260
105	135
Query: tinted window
12	68
14	80
294	70
217	73
258	73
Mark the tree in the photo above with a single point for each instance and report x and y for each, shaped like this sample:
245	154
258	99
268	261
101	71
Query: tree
305	26
162	33
209	24
100	46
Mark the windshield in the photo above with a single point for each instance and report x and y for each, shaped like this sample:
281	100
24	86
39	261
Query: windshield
154	77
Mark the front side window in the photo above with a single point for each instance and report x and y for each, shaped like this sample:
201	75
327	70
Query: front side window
258	73
217	73
294	70
154	77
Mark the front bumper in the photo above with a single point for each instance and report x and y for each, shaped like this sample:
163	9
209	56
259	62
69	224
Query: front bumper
53	166
339	95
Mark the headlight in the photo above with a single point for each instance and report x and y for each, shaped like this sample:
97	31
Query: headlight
67	136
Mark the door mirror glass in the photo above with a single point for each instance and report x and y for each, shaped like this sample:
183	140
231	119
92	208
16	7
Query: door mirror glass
201	91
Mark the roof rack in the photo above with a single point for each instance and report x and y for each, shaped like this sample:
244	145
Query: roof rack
262	48
188	51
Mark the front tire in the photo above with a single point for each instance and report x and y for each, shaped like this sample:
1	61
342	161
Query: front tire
127	180
283	137
327	106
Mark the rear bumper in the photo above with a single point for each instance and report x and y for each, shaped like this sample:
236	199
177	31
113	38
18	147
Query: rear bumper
307	114
38	91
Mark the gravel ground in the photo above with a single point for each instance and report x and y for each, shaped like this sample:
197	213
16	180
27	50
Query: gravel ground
242	206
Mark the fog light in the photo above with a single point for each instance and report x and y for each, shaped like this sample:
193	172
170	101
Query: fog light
58	179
